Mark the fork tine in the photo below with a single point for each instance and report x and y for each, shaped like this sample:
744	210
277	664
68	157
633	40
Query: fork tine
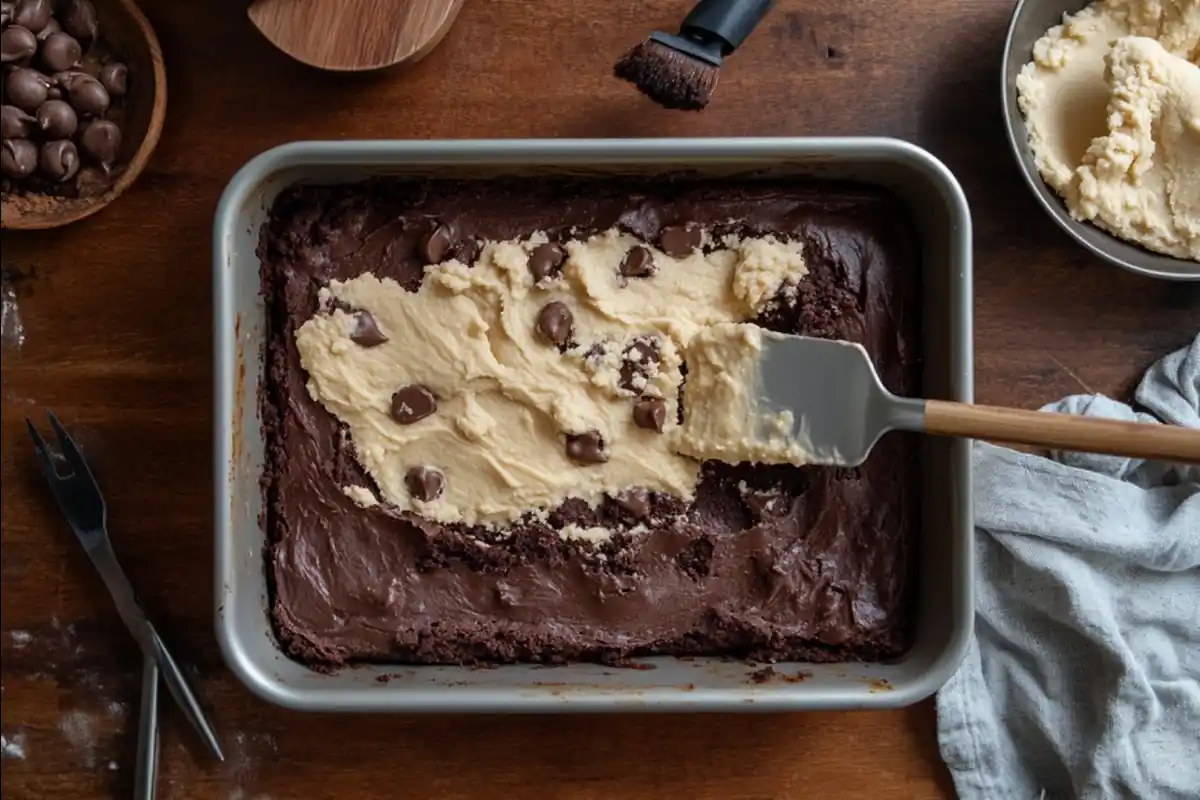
70	451
42	451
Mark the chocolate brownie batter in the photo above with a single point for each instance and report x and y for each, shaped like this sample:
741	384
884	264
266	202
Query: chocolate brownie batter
767	562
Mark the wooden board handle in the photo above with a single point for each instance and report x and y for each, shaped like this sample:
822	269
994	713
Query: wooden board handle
1063	431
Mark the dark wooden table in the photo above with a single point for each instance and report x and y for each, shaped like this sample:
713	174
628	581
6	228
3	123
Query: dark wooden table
118	324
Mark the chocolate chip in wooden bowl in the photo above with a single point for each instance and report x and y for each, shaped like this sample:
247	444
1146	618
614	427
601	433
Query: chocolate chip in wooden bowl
32	14
16	124
51	27
437	245
60	52
59	160
634	502
27	88
366	331
680	241
546	260
101	139
586	448
650	413
84	92
18	158
638	361
556	323
115	77
56	119
413	404
78	18
17	45
638	263
424	483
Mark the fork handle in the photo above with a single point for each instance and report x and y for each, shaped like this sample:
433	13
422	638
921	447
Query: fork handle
146	775
1062	431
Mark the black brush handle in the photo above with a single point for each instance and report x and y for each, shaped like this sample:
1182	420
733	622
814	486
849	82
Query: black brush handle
727	21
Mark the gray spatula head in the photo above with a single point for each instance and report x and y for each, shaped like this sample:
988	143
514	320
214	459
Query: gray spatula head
839	407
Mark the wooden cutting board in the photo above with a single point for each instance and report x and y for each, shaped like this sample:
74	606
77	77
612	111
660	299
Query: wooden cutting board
354	35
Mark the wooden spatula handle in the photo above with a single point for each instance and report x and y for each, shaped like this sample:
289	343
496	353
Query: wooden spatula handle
1062	431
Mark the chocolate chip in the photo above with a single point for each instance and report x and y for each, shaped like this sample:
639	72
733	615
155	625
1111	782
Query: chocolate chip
545	260
638	263
86	93
27	88
60	52
680	241
413	404
438	243
556	323
51	27
366	331
635	502
57	119
650	413
78	18
15	123
32	14
18	158
115	77
101	140
424	483
586	448
59	160
639	359
17	44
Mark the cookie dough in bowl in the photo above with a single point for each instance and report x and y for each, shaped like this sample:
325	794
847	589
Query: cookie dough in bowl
1111	102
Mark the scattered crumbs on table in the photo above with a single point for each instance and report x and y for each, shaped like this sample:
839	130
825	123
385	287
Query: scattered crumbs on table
12	330
78	729
13	746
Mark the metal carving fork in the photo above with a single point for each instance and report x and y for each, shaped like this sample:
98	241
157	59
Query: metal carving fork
81	502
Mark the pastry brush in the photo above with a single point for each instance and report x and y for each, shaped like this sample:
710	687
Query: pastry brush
679	71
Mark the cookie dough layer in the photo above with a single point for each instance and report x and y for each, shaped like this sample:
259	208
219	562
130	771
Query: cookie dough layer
1112	104
725	419
766	561
507	396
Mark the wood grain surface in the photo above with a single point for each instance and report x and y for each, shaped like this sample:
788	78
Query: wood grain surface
353	35
117	320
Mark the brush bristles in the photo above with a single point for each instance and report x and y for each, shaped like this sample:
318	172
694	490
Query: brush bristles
670	78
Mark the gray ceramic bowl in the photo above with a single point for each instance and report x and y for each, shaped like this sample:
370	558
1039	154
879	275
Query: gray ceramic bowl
1030	20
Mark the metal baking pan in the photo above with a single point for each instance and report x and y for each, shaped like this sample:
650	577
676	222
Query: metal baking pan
944	597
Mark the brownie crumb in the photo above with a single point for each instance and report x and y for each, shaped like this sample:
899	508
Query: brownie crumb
696	559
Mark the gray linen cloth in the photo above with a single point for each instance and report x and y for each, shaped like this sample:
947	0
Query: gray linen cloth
1084	676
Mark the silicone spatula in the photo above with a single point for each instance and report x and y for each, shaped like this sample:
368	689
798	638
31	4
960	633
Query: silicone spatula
841	408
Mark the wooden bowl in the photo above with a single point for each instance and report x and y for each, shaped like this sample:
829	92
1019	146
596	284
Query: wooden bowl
354	35
128	33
